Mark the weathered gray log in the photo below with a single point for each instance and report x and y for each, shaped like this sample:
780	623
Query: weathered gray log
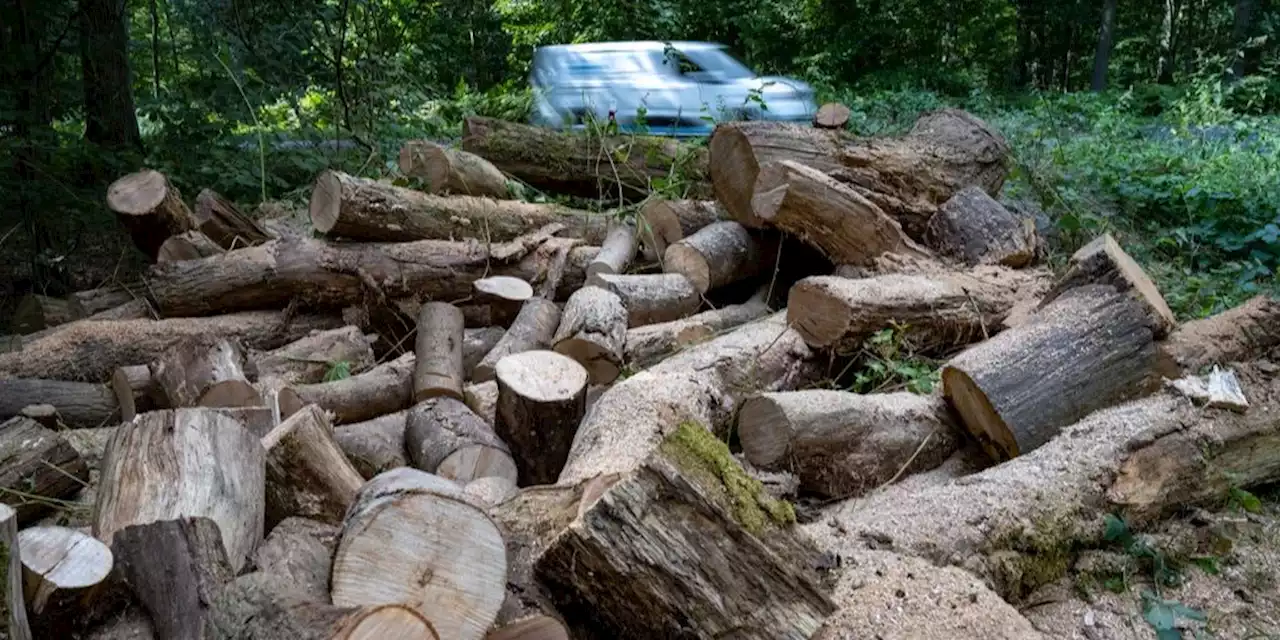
302	551
718	254
79	404
646	345
225	224
452	171
532	329
307	474
616	252
444	437
593	331
175	567
375	445
652	298
203	372
437	369
37	468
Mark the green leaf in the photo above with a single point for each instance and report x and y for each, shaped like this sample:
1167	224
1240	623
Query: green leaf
1117	529
339	370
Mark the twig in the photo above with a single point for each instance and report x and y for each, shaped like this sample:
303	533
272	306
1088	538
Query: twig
906	464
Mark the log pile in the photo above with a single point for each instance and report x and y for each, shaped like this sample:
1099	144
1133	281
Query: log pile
456	414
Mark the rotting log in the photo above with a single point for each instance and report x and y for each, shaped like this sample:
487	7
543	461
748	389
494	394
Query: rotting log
649	344
652	298
150	209
542	396
593	331
445	437
831	115
307	474
65	575
437	367
973	228
504	295
302	551
79	404
13	607
452	171
37	313
616	252
200	372
718	254
312	358
1104	262
189	245
663	222
532	329
37	468
375	445
224	223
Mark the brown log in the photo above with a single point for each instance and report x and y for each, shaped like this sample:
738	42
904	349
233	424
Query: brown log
37	466
504	295
831	216
593	331
78	404
448	551
718	254
443	436
649	344
1240	333
307	474
136	309
224	223
908	176
542	396
302	551
1104	262
314	358
652	298
842	444
437	369
357	208
92	351
663	222
65	576
36	312
452	171
482	398
13	608
534	627
189	245
532	329
569	163
178	463
831	115
150	209
973	228
616	252
375	445
204	373
1091	348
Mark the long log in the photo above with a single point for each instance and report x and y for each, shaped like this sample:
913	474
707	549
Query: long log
542	396
616	252
532	329
445	437
1236	334
452	171
313	358
37	468
224	223
13	608
1103	261
93	301
973	228
593	331
79	404
307	474
150	209
375	445
646	345
663	222
175	567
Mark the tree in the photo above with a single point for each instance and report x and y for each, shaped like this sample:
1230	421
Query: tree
110	118
1106	37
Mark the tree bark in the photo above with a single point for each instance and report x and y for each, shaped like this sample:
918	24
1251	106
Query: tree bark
224	223
1102	261
136	391
652	298
110	117
593	330
533	329
375	445
444	437
36	466
437	370
13	607
148	206
1236	334
452	171
663	222
189	245
718	254
1102	55
300	550
204	373
974	229
542	396
312	359
79	404
307	474
649	344
1168	41
93	301
616	252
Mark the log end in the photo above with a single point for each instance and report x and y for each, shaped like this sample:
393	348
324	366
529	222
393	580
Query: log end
326	201
689	262
388	622
541	376
659	227
764	431
978	416
138	193
602	364
534	627
478	461
819	317
505	288
733	169
231	393
832	115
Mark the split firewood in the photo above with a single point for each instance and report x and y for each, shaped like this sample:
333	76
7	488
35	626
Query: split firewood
542	396
204	373
13	607
302	551
649	344
490	490
716	255
570	163
78	404
452	171
175	567
182	463
450	562
437	368
443	436
616	252
652	298
150	209
307	474
38	468
1236	334
64	573
375	445
92	351
907	176
663	222
505	296
314	358
593	331
482	398
532	329
831	216
1104	262
224	223
974	228
189	245
831	115
843	444
36	312
348	206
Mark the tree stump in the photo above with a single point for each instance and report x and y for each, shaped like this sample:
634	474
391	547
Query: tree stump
652	298
533	329
307	473
452	171
541	398
444	437
150	209
437	370
593	330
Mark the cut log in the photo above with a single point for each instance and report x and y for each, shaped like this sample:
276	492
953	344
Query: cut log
307	475
716	255
593	331
649	344
616	252
93	301
13	607
452	171
663	222
258	420
36	313
1104	262
376	445
842	444
542	396
831	115
64	573
973	228
92	351
534	627
315	358
443	436
908	177
482	398
449	562
584	165
137	309
348	206
175	568
490	490
179	463
279	398
79	404
437	369
302	551
38	469
1091	348
703	384
652	298
505	296
224	223
150	209
476	344
1241	333
204	373
533	329
189	245
830	216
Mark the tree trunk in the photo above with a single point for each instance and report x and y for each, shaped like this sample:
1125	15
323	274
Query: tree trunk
204	373
307	474
652	298
1241	28
224	223
79	404
376	445
452	171
663	222
973	228
1102	55
437	370
593	330
542	396
300	550
37	466
110	118
148	206
444	437
1168	42
13	607
533	329
649	344
616	252
716	255
190	245
315	358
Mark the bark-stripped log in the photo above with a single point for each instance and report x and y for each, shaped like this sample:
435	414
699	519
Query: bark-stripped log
204	373
175	567
652	298
452	171
190	245
718	254
307	474
302	551
542	396
79	404
973	228
375	445
616	252
663	222
445	437
649	344
150	209
831	115
37	466
1104	262
437	368
224	223
532	329
37	313
311	359
593	331
504	295
13	608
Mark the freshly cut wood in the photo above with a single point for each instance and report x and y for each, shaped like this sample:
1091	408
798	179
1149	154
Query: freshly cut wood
175	567
78	404
534	627
36	312
384	389
178	463
649	344
831	115
443	436
189	245
92	351
1104	262
204	373
307	475
702	384
593	331
616	252
1240	333
542	396
437	369
907	176
302	551
717	254
150	209
37	468
64	572
1091	348
532	329
311	359
663	222
490	490
375	445
584	165
831	216
449	562
13	607
278	397
482	398
974	228
348	206
452	171
841	444
224	223
504	295
653	297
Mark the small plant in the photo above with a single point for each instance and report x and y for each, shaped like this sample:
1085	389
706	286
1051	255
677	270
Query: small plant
1160	613
339	370
1240	500
887	362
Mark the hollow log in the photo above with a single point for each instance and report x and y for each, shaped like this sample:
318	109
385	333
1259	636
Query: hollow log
831	115
718	254
189	245
504	295
663	222
175	567
307	474
204	373
1104	262
973	228
302	551
437	368
1237	334
36	313
65	576
616	252
375	445
482	398
450	563
532	329
314	358
79	404
452	171
444	437
37	468
150	209
224	223
542	396
593	331
652	298
13	607
649	344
